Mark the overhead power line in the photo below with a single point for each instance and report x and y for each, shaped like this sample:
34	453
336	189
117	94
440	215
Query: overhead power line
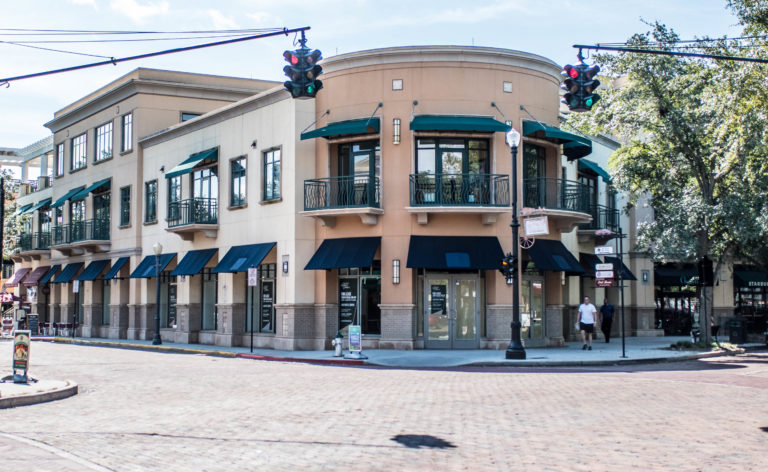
670	53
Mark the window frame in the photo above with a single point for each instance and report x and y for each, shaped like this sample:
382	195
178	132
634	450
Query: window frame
125	206
59	168
148	202
126	127
241	178
81	159
108	140
276	182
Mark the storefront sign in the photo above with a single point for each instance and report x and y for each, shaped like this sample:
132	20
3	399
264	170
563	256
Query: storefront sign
6	297
32	294
603	249
603	266
267	304
21	352
603	282
536	226
758	283
253	276
347	301
438	297
604	274
355	338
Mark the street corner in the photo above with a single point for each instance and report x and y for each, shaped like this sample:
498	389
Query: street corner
21	394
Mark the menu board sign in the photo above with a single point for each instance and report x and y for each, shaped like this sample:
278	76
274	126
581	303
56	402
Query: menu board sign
347	301
437	297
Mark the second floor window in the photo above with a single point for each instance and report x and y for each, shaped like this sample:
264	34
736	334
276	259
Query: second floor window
103	142
238	189
125	206
45	220
59	159
272	174
150	199
59	215
174	197
127	132
77	211
79	144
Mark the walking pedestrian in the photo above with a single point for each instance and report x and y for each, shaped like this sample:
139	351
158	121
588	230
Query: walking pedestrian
606	313
587	319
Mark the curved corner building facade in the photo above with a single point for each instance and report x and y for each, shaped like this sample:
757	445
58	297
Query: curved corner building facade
385	202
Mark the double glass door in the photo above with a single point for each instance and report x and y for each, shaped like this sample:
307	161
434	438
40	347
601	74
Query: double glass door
452	312
532	307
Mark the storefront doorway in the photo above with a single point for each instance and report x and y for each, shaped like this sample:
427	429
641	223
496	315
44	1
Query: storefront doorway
532	307
452	311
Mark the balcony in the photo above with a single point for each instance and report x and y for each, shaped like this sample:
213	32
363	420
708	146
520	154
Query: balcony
566	203
32	245
186	217
74	238
483	194
330	197
602	218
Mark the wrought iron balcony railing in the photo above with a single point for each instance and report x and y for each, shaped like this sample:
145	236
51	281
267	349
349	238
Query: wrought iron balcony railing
479	190
88	230
38	241
602	218
342	192
193	211
556	194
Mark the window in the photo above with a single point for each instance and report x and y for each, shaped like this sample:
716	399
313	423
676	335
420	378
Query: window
174	198
150	199
589	186
167	300
188	116
238	182
77	220
127	132
359	169
125	206
260	302
45	220
208	300
360	296
452	171
106	298
272	174
59	159
103	142
78	152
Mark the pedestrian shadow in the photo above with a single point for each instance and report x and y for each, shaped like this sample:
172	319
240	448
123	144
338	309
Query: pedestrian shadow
417	441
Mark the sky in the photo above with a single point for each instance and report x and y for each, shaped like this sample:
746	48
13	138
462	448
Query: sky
548	28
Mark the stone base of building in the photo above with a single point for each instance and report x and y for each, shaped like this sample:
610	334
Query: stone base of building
299	328
397	321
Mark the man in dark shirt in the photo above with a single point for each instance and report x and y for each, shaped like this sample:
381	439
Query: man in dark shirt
606	312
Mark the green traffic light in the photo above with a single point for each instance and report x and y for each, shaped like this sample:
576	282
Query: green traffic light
588	102
311	88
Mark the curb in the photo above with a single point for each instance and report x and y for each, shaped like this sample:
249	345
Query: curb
33	399
304	360
143	347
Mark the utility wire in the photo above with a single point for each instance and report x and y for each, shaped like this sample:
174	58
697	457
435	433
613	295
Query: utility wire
671	53
52	50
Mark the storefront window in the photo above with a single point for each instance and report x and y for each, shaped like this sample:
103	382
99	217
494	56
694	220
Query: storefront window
208	300
106	299
260	302
359	298
167	300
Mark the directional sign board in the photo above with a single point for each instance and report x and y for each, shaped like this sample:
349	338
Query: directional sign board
604	274
604	282
603	249
603	266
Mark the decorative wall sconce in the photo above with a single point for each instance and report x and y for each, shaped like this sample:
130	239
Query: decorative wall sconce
396	271
285	266
396	131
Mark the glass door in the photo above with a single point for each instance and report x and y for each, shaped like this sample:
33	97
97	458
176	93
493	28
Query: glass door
532	308
451	318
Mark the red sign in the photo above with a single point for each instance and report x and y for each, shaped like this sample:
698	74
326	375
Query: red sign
603	282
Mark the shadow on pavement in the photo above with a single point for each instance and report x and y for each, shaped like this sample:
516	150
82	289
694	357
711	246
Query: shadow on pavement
417	441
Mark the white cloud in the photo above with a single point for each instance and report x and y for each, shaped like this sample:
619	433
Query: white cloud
84	2
473	15
220	21
139	12
263	18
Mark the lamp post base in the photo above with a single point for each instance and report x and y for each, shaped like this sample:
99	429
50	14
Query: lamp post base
156	340
515	350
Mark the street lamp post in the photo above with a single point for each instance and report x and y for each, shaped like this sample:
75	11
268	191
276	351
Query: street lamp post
158	249
515	350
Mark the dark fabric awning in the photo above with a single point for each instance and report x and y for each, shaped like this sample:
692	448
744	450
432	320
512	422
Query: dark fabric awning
574	146
588	262
63	199
626	274
40	204
93	270
549	254
49	275
101	184
344	128
17	276
675	276
454	252
194	261
146	268
585	164
747	278
193	161
457	123
37	274
68	273
241	258
22	209
116	268
343	253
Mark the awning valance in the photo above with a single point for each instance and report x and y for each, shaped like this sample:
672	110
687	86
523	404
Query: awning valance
585	164
241	258
454	252
194	261
116	267
68	273
93	270
341	128
63	199
193	161
626	274
747	278
37	274
574	146
675	276
101	184
49	275
146	268
549	254
588	262
40	204
343	253
18	276
484	124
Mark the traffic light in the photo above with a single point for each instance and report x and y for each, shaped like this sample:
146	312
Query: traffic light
579	84
706	272
571	86
302	70
508	267
589	84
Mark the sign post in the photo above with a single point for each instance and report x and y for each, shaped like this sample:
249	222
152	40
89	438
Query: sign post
21	356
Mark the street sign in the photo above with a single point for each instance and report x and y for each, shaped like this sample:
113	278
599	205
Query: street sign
603	249
604	274
603	266
75	286
253	276
603	282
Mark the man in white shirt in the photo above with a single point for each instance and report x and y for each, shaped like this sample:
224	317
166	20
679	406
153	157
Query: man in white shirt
587	321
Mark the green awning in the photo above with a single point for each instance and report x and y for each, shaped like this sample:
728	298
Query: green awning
211	155
22	209
105	184
66	197
750	278
585	164
574	146
457	123
39	205
341	128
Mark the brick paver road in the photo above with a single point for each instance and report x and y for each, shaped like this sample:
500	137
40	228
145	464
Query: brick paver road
151	411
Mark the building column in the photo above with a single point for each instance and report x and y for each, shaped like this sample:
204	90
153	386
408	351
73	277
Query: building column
397	320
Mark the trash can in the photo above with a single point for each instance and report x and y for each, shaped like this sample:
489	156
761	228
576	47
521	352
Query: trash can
737	330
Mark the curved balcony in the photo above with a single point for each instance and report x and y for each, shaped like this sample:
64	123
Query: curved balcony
92	235
186	217
330	197
602	218
32	245
483	194
566	203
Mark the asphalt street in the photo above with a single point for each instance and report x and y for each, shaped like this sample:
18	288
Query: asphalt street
139	411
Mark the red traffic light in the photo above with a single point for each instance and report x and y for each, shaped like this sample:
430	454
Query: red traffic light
292	58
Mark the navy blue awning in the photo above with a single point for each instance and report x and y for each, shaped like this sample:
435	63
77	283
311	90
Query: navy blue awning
68	273
93	270
343	253
146	267
671	275
549	254
241	258
588	262
116	268
626	274
454	252
194	261
47	277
